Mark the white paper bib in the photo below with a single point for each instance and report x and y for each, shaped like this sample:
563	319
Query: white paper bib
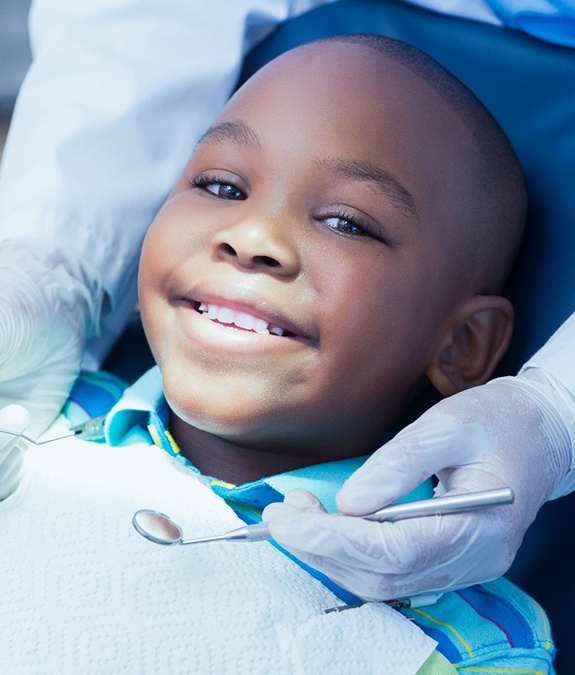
81	592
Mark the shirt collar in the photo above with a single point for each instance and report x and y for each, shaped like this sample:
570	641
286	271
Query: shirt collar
133	410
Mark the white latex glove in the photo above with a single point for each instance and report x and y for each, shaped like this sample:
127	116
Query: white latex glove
513	432
12	418
48	305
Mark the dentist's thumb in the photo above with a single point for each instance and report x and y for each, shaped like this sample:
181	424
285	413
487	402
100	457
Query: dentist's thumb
426	447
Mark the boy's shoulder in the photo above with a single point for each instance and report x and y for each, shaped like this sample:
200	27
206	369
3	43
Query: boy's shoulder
93	394
494	627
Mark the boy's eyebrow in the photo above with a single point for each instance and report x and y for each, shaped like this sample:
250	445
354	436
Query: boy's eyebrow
238	132
384	182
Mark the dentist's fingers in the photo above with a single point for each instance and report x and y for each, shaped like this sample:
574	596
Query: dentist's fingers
10	470
12	418
379	561
49	305
296	501
437	440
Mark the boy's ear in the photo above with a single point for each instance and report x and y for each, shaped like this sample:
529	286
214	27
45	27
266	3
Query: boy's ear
478	337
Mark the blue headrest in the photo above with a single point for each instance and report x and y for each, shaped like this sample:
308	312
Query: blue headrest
529	87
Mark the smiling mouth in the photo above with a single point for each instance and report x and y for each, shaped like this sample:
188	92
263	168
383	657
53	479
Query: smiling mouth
238	320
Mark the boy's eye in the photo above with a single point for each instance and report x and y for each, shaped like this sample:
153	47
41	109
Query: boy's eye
347	225
219	188
224	190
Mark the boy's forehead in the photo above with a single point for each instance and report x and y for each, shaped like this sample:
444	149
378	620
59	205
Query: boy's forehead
348	101
353	86
331	56
329	68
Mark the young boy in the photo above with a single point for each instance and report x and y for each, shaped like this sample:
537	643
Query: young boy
334	248
365	220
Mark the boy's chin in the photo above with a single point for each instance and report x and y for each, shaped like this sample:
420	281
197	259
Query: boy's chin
230	428
226	420
244	423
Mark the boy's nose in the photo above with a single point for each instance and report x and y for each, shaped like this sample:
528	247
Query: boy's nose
259	246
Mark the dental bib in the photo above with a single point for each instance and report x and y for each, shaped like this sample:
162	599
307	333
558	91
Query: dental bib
82	592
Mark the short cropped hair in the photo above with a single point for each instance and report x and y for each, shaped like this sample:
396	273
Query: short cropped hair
497	211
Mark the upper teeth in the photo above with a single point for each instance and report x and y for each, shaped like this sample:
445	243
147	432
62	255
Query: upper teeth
239	319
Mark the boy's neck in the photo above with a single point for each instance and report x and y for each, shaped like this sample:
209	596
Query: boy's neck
236	464
242	462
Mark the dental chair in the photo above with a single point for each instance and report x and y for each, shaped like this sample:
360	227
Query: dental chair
529	86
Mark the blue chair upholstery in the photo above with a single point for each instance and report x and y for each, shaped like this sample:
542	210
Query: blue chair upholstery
529	86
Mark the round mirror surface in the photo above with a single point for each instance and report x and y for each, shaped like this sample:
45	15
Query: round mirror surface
157	527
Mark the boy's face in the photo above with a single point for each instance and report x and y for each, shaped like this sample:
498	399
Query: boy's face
295	285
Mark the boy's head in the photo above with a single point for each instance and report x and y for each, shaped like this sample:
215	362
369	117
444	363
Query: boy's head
335	243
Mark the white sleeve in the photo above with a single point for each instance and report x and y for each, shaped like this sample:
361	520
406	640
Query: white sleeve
118	94
554	367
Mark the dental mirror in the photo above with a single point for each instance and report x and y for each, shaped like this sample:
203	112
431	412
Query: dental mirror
157	527
161	529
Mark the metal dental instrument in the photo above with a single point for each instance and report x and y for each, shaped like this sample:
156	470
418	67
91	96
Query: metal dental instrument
415	602
161	529
443	505
92	430
31	440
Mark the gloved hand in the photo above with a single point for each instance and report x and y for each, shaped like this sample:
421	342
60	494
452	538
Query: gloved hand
510	432
12	418
48	306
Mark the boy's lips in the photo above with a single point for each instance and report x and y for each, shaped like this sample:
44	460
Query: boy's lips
258	317
241	320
